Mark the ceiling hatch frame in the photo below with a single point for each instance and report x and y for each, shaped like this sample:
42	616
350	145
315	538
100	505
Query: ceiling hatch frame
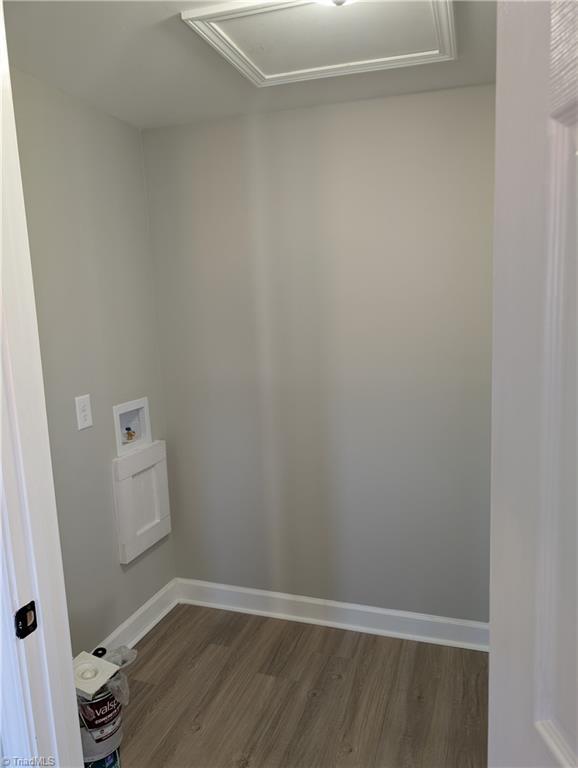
205	22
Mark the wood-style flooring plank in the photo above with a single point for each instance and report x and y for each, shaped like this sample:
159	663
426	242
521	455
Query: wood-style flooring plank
217	689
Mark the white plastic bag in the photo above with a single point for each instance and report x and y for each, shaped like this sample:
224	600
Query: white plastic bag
118	685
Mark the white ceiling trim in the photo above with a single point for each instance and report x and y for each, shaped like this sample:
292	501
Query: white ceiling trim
206	22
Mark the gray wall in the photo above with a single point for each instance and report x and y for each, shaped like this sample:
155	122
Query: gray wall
86	209
322	280
324	292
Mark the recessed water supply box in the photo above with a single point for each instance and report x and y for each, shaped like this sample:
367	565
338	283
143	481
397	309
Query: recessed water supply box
132	425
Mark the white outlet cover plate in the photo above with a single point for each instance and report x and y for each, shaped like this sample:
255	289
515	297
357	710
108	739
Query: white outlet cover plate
83	411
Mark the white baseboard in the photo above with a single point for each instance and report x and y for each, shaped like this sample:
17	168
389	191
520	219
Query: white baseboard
329	613
144	619
360	618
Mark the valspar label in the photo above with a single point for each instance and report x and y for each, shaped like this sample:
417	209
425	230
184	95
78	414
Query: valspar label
101	716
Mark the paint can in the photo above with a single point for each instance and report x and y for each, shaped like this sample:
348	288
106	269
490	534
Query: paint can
100	726
110	761
100	715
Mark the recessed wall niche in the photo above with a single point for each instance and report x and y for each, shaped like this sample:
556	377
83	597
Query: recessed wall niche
132	425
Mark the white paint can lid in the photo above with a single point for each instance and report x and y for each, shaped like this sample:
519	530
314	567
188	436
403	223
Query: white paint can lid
91	673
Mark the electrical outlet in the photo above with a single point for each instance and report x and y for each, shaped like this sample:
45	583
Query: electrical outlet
83	411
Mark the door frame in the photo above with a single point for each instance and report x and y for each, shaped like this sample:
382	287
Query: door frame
532	619
40	718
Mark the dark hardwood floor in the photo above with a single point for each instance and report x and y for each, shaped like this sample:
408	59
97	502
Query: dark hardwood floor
215	689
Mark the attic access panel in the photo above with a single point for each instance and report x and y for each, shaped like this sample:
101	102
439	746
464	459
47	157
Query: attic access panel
295	40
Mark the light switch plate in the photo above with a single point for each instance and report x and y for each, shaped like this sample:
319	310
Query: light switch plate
83	411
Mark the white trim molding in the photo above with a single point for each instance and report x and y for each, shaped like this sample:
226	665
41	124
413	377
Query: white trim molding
207	22
556	618
460	633
39	715
144	619
557	743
